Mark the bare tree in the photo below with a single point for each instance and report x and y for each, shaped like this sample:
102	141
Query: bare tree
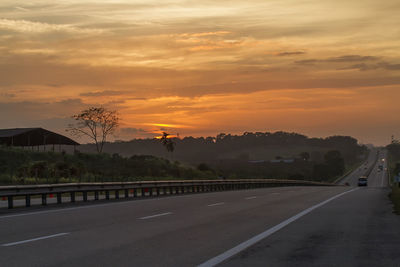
167	142
96	123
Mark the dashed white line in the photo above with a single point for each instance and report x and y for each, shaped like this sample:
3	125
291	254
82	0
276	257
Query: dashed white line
248	198
246	244
216	204
156	215
33	239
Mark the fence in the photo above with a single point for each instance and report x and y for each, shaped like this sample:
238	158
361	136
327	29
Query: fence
136	189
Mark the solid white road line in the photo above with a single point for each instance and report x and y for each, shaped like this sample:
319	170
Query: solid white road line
156	215
33	239
248	198
246	244
216	204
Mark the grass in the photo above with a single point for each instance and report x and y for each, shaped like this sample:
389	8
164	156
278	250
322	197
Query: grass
395	198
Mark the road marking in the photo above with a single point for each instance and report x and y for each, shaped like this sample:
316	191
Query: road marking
216	204
33	239
127	202
156	215
246	244
248	198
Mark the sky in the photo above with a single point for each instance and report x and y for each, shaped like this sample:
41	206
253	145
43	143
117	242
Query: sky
199	68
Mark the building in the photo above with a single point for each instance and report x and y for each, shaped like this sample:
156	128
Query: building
33	137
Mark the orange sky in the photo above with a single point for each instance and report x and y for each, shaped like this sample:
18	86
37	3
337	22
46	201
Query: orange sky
204	67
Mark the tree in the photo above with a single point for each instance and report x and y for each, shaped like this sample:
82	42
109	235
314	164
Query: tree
335	162
305	156
97	123
167	142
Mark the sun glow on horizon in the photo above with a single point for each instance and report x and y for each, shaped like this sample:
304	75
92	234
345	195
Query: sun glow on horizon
201	68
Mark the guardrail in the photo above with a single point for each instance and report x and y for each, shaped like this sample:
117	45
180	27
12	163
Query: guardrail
137	189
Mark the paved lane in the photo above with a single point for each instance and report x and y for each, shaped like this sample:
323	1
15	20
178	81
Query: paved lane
174	231
358	229
191	229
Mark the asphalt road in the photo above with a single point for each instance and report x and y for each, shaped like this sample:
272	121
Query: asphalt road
319	226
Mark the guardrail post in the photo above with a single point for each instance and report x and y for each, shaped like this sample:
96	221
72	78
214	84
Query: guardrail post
72	196
84	194
107	194
44	199
96	195
143	193
28	200
158	191
126	193
134	192
116	194
151	191
177	190
59	198
10	202
164	190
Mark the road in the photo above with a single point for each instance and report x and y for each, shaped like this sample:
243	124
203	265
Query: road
296	226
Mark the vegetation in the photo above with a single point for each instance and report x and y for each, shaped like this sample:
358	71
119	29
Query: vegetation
252	155
18	166
96	123
394	169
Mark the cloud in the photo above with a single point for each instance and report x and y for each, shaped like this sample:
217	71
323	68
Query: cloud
380	65
25	26
291	53
345	58
132	131
104	93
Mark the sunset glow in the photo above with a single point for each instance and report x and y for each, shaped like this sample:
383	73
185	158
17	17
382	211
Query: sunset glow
204	67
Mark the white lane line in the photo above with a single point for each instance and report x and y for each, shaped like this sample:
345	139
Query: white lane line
156	215
246	244
248	198
33	239
216	204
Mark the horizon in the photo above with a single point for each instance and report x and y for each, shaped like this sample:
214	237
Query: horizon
203	68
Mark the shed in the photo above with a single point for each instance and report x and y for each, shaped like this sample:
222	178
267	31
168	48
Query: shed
30	137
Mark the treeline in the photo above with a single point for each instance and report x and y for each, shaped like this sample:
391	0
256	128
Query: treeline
18	166
394	157
332	167
249	146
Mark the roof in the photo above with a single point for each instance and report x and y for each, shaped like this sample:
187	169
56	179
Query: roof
33	137
15	131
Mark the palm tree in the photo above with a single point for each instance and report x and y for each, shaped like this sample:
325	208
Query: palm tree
168	143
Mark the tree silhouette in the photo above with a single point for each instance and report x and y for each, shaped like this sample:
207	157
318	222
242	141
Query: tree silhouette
167	142
96	123
305	156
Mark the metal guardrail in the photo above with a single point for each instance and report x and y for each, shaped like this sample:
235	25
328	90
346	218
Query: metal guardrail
137	189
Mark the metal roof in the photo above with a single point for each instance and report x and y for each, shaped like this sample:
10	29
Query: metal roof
15	131
33	137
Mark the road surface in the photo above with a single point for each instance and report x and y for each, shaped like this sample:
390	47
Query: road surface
296	226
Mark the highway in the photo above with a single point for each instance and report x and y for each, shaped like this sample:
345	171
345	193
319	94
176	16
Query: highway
285	226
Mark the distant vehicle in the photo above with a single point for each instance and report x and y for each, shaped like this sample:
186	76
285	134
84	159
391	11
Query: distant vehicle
380	167
362	181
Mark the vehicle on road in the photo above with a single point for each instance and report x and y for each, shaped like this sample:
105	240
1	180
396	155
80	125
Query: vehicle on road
362	181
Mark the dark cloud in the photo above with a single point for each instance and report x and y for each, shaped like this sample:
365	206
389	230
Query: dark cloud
132	131
127	133
103	93
8	95
379	65
291	53
345	58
